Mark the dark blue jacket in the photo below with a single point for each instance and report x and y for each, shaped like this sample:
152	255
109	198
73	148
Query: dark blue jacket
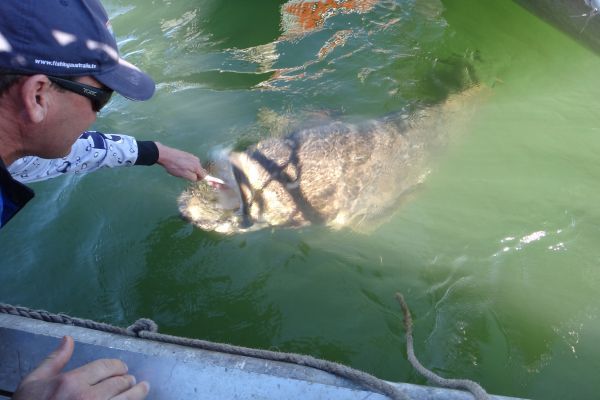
13	195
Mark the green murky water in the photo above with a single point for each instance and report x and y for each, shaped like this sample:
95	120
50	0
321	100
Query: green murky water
496	253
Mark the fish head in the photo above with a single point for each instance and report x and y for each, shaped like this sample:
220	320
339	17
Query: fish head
215	209
211	209
254	196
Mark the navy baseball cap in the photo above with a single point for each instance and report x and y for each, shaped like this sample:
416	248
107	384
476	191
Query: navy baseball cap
67	38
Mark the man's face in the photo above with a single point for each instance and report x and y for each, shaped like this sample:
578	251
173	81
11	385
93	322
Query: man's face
70	115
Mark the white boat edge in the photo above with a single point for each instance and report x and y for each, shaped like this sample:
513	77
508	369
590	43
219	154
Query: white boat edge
177	372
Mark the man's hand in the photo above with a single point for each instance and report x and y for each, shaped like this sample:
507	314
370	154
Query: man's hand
98	380
180	163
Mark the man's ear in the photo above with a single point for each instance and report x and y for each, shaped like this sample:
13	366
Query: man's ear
35	94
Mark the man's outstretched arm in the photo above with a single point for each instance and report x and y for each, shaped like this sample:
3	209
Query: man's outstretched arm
95	150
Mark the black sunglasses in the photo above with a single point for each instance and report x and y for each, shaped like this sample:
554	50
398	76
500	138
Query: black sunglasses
98	96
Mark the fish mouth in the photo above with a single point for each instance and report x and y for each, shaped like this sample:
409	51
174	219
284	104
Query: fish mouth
232	196
224	209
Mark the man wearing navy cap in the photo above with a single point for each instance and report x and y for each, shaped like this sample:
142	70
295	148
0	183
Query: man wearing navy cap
62	59
59	65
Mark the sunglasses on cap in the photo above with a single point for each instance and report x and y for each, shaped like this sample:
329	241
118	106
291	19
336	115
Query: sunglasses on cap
99	97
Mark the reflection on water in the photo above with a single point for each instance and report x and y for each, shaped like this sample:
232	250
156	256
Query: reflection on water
187	22
302	16
318	42
298	18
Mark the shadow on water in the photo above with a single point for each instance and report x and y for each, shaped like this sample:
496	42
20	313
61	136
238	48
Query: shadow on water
187	279
242	18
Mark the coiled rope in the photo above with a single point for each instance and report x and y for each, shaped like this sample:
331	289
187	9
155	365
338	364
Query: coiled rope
145	328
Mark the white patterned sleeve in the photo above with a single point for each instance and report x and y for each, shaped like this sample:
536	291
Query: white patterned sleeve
90	152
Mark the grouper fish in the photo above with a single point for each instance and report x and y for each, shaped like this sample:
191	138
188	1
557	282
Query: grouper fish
340	174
